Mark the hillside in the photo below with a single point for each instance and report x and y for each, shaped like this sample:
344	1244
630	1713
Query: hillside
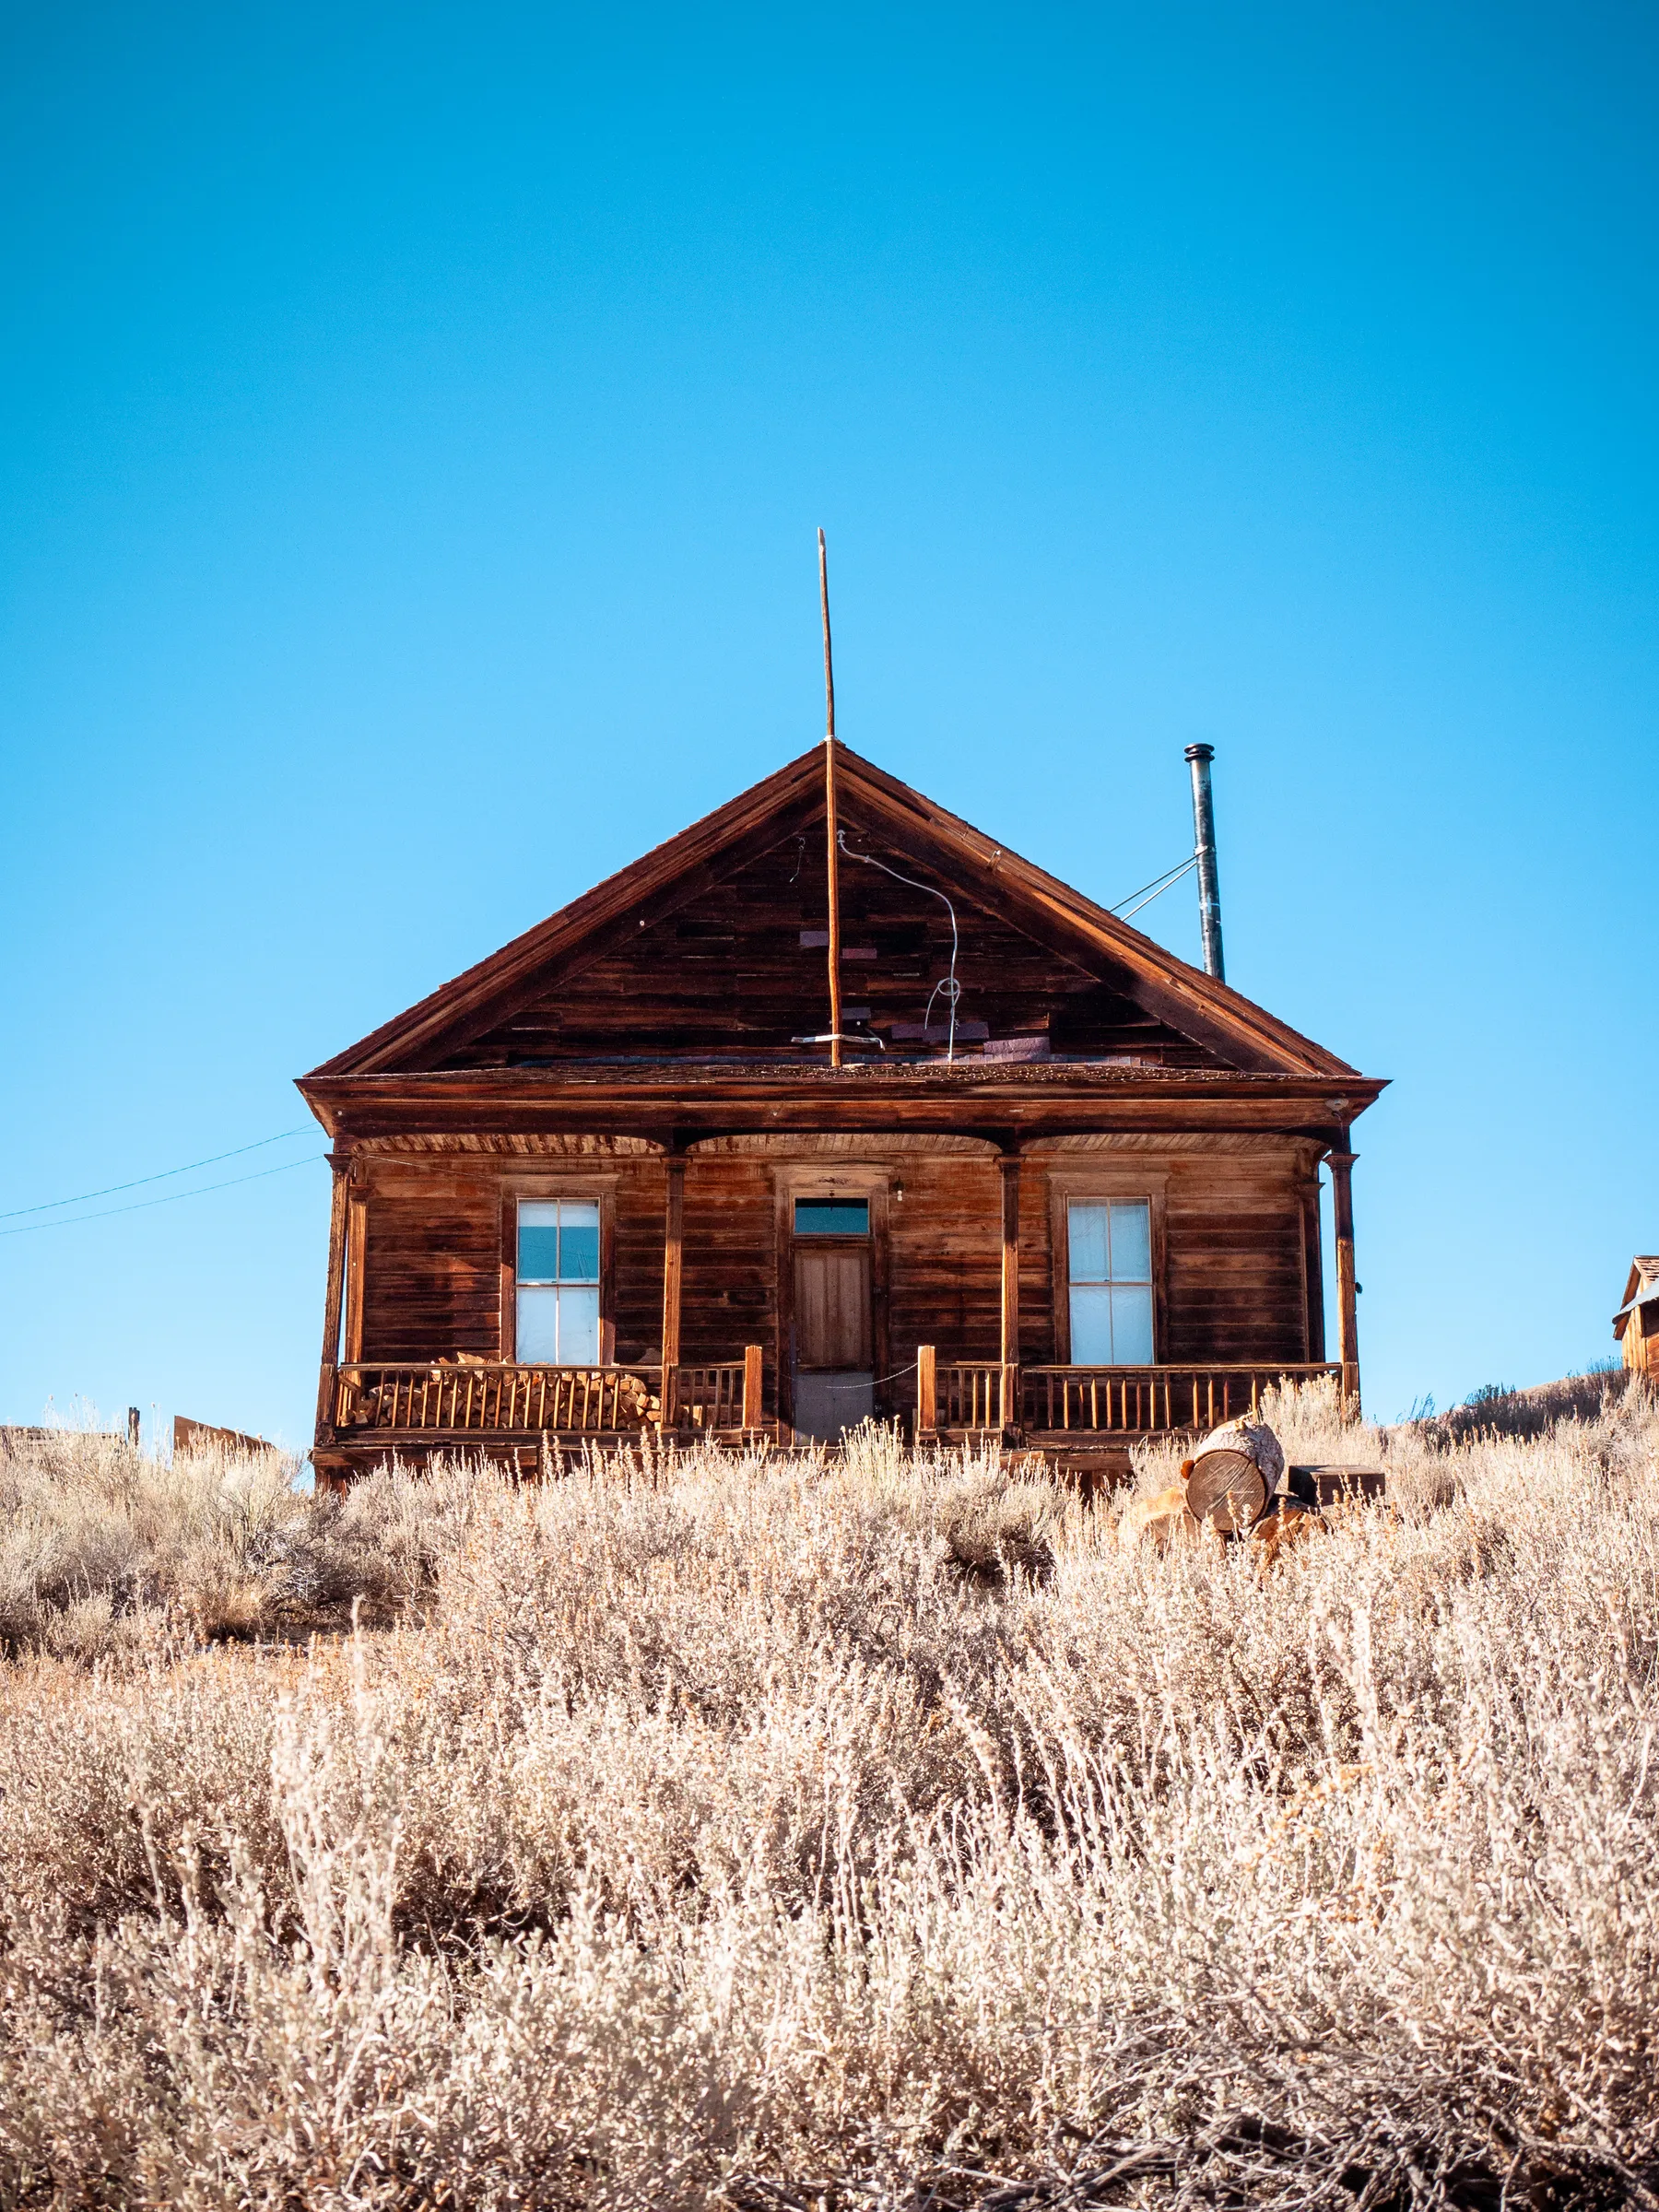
776	1834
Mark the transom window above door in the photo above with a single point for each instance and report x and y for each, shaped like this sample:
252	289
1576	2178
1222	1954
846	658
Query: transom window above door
1110	1241
559	1282
832	1217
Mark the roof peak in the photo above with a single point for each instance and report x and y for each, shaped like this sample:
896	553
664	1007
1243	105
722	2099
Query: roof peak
920	834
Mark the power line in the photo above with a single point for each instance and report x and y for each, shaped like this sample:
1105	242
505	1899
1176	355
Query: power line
108	1191
33	1228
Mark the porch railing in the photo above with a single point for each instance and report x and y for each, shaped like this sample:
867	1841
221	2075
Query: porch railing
724	1396
979	1396
503	1397
1133	1401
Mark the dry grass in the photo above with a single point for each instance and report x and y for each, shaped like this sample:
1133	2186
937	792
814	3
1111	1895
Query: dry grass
1498	1411
779	1834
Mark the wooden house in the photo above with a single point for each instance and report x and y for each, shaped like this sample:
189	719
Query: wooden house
1636	1323
1062	1186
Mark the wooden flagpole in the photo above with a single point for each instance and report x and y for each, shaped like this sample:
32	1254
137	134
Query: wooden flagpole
834	872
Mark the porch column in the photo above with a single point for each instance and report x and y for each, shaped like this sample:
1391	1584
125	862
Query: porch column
1348	1313
332	1298
1009	1167
673	1253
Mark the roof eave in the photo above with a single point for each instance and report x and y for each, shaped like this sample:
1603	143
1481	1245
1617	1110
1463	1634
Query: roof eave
976	1090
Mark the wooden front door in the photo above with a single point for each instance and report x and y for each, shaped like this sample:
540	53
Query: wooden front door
834	1379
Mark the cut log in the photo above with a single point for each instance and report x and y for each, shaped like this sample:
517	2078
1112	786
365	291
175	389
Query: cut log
1229	1488
1235	1471
1289	1524
1163	1522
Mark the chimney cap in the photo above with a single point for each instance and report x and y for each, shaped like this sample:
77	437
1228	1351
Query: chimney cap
1200	752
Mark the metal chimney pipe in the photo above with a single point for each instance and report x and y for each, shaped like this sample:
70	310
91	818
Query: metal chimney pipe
1203	847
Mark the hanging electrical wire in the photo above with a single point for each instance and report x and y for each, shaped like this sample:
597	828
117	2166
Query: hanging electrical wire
947	984
33	1228
51	1206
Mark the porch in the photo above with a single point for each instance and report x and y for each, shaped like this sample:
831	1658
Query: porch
1063	1408
518	1411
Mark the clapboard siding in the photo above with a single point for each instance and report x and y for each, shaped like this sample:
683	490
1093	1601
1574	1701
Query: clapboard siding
945	1247
641	1203
1234	1287
1037	1331
729	1297
432	1277
729	973
1234	1282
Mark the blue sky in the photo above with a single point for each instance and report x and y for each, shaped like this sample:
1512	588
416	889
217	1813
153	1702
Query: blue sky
417	421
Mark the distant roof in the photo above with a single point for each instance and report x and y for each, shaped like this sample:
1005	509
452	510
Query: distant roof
1642	1287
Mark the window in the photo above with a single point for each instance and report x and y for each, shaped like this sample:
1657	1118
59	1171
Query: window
1110	1242
559	1282
832	1217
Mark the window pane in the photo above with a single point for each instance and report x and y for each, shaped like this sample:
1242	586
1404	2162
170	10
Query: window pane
538	1325
1088	1224
579	1243
832	1217
1091	1326
1131	1240
538	1254
578	1327
537	1241
1131	1326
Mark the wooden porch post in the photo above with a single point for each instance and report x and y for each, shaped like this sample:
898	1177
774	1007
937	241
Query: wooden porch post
1009	1166
672	1254
331	1301
752	1373
927	1395
1348	1313
356	1255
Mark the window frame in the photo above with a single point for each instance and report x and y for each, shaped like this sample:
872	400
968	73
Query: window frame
1110	1281
546	1189
564	1310
1099	1184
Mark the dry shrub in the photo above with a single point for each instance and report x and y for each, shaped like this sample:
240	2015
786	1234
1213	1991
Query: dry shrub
104	1549
775	1831
1498	1411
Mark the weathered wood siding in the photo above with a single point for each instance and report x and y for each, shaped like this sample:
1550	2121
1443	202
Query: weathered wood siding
642	1202
431	1271
1234	1279
946	1249
729	973
729	1296
1239	1282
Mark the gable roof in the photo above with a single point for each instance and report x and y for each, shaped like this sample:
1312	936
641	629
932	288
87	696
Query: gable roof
783	805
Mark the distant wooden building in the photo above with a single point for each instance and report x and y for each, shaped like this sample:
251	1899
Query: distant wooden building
1636	1323
1064	1186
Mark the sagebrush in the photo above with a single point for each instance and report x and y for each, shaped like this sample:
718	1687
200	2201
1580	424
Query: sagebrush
781	1831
